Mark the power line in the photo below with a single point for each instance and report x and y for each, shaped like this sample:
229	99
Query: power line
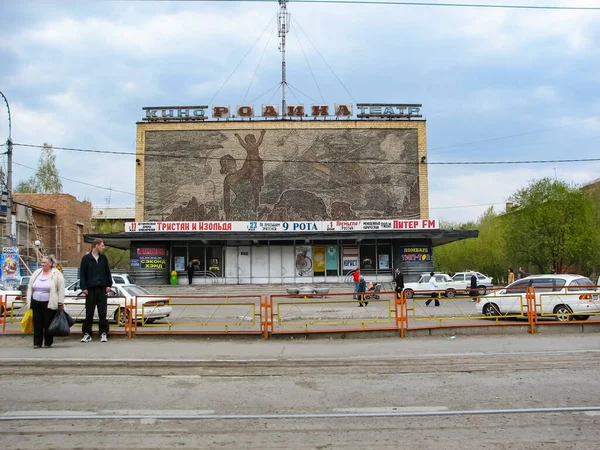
390	2
77	181
394	163
498	138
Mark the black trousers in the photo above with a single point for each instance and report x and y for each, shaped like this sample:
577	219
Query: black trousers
190	277
42	317
95	298
436	296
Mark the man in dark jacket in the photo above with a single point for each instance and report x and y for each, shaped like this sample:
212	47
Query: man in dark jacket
473	292
95	281
399	279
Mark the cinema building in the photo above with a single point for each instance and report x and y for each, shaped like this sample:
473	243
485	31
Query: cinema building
253	197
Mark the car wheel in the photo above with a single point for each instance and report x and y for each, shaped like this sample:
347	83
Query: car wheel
122	316
450	293
581	317
408	293
481	290
563	313
491	310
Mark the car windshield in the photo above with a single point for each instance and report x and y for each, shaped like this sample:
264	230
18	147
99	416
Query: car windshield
135	290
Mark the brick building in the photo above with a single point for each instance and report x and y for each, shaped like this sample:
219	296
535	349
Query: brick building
58	221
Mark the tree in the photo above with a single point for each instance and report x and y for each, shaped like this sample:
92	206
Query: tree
553	226
46	179
117	258
486	254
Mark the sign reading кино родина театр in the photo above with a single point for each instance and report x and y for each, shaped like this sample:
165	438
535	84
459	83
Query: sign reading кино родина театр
299	227
365	111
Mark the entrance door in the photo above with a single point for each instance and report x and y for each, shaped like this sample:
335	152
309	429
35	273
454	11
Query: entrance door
275	266
244	275
231	265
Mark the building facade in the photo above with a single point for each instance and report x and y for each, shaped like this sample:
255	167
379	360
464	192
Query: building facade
280	201
58	222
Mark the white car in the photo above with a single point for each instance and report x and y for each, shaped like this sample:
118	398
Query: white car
565	297
149	308
117	278
462	280
12	299
443	281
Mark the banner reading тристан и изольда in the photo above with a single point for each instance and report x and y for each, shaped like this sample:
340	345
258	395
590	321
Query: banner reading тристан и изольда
318	226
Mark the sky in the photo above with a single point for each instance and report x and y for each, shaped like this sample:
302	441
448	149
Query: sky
496	85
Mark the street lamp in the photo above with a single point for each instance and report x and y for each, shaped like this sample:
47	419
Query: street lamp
9	145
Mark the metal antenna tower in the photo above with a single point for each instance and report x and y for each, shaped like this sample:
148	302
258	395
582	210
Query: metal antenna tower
283	19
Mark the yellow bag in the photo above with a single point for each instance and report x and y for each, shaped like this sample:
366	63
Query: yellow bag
27	322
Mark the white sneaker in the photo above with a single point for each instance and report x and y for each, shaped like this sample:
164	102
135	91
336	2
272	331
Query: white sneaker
103	338
86	338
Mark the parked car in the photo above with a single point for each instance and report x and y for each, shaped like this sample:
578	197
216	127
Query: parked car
567	296
117	278
462	280
443	281
11	298
150	308
23	285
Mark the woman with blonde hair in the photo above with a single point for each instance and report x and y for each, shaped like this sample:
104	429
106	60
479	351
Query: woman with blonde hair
45	294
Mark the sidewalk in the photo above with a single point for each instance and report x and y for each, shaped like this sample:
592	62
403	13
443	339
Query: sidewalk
179	349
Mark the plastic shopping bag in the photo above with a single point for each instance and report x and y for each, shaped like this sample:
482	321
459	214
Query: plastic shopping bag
27	322
60	324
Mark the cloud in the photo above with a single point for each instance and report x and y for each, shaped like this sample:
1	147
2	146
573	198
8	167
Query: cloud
465	194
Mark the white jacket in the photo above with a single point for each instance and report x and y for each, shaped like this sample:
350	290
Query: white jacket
57	288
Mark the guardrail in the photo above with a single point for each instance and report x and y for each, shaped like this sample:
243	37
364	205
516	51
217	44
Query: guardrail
332	313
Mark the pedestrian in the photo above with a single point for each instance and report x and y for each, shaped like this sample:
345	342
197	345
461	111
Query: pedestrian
399	279
473	292
356	278
45	295
523	273
362	287
553	271
436	295
511	275
95	282
190	271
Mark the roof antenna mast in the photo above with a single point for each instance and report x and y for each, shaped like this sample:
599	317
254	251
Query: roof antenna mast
283	19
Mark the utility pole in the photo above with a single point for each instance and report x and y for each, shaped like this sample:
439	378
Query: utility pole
284	27
9	145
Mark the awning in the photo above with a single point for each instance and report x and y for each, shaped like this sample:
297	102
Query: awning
124	240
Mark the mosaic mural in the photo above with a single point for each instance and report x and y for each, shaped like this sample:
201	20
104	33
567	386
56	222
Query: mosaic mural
315	174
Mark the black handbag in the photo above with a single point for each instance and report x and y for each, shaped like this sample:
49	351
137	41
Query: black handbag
61	324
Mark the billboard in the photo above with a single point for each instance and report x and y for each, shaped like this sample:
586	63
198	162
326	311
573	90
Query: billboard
11	267
304	172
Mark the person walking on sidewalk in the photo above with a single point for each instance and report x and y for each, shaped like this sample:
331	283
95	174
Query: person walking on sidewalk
95	281
399	279
45	295
356	278
362	288
433	285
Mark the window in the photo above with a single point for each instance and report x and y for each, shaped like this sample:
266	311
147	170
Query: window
480	276
458	277
79	236
118	280
520	287
585	283
547	284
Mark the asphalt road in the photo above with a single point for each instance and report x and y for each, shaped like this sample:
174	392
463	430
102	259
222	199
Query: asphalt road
471	392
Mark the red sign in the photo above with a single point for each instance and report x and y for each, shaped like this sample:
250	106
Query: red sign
152	252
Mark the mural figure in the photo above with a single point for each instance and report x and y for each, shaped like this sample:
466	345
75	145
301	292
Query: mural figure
240	207
253	165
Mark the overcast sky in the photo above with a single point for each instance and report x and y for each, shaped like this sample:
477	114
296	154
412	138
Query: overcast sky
495	84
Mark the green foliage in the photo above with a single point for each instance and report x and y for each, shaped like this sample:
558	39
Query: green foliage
117	258
27	187
551	225
486	254
46	179
554	225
